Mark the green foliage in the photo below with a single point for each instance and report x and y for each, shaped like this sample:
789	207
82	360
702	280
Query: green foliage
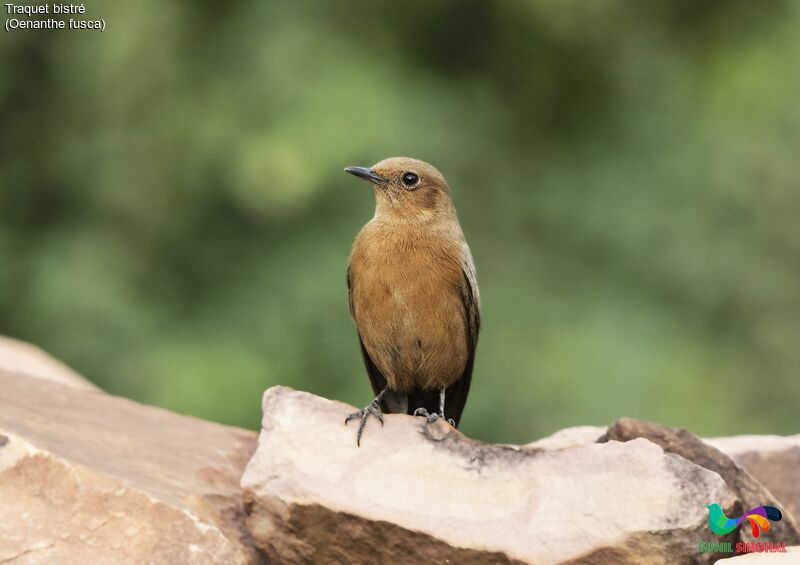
175	224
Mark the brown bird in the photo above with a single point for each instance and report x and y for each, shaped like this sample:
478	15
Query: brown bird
413	295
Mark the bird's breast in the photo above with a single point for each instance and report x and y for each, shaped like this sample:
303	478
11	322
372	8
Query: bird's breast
408	309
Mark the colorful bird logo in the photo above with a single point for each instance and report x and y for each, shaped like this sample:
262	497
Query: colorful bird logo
759	519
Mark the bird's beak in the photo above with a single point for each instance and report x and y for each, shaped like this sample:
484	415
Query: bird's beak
367	174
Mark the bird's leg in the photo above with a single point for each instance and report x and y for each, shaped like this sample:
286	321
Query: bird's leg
434	416
373	408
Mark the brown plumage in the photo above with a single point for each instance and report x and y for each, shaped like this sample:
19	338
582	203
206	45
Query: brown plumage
413	294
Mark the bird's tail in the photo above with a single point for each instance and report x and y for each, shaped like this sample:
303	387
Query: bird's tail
773	513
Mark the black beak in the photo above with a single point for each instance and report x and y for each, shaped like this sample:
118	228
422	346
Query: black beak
367	174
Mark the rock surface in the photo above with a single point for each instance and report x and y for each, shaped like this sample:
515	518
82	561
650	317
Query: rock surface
791	557
773	460
416	492
570	437
89	478
24	359
749	492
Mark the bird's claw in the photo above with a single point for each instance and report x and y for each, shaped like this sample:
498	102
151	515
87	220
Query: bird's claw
363	414
433	416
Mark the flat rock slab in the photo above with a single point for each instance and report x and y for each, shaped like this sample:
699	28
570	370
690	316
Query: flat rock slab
90	478
791	557
748	490
773	460
26	360
417	492
570	437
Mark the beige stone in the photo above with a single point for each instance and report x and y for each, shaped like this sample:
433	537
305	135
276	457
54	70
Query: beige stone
91	478
417	492
773	460
791	557
570	437
26	360
749	492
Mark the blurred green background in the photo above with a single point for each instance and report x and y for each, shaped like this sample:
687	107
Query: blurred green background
175	222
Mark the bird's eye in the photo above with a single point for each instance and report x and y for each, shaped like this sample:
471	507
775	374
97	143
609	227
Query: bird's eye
410	179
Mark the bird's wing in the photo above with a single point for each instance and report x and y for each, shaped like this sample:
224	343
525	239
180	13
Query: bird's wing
350	291
471	297
456	395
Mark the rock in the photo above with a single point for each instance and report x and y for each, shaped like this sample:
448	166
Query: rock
772	460
91	478
570	437
23	359
416	492
749	492
791	557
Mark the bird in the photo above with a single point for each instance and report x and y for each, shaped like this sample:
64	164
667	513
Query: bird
413	294
758	517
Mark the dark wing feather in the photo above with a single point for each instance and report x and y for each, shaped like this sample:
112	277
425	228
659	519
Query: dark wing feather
393	401
456	395
376	378
350	293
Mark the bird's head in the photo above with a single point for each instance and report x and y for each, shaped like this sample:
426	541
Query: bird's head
714	508
407	190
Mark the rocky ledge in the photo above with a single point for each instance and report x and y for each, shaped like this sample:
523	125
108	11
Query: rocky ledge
415	492
86	477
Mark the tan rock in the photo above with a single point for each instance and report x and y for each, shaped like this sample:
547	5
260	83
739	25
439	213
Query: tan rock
418	493
91	478
791	557
570	437
772	460
26	360
749	491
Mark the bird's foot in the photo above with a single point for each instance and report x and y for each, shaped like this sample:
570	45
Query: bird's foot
363	414
433	416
